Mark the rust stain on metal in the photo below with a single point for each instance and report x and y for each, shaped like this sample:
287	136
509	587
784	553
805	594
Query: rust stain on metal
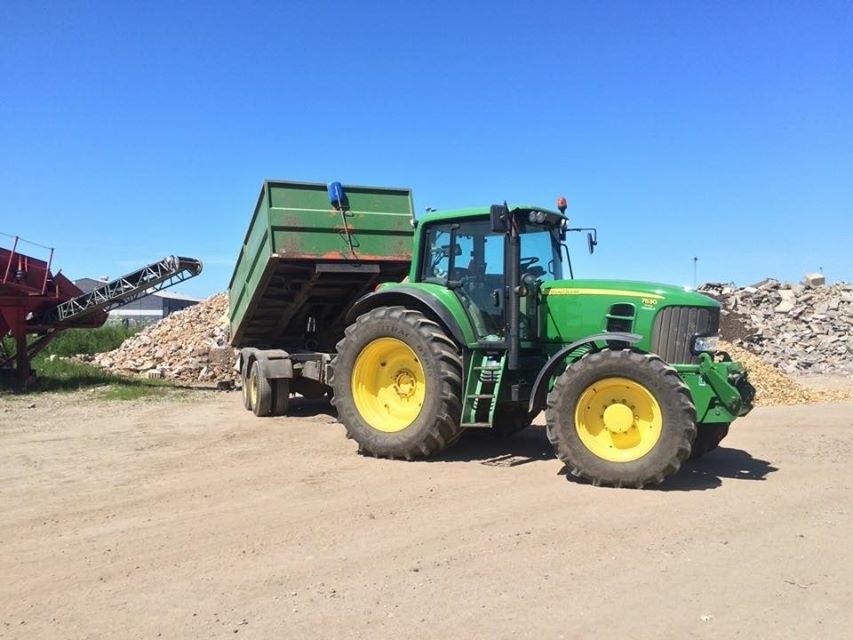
337	255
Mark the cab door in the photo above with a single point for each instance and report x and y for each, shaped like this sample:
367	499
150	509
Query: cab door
468	257
539	262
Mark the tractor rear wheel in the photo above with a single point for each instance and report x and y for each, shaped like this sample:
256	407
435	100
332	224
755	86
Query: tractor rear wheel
621	418
397	380
708	438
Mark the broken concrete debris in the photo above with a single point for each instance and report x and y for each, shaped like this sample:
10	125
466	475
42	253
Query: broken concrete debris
799	328
191	345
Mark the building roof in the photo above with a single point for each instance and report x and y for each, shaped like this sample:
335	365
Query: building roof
174	295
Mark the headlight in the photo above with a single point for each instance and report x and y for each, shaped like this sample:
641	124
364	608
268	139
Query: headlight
705	343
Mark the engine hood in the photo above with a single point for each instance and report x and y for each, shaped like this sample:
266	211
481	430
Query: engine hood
648	294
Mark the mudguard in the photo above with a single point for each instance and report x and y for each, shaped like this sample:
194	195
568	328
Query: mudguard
413	298
540	386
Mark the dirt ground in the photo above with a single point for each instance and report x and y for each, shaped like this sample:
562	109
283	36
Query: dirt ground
192	518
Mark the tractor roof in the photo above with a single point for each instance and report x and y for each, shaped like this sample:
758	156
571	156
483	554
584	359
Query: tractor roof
476	212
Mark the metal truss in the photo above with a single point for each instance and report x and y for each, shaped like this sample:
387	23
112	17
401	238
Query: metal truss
142	282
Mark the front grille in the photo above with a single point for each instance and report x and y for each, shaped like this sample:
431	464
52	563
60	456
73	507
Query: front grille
675	328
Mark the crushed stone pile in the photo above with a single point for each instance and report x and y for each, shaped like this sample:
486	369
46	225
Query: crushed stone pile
799	328
191	345
773	387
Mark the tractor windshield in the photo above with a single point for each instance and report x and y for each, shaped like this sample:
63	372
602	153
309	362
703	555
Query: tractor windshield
540	254
469	257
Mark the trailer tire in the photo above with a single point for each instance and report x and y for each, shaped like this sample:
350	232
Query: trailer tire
397	381
244	392
621	419
260	392
281	401
708	438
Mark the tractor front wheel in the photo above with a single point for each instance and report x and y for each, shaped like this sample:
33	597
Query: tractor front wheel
621	418
397	380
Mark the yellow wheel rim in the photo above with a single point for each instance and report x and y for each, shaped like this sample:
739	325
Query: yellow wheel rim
618	419
388	385
253	389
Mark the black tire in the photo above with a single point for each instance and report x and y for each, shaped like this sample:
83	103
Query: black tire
678	429
281	397
263	391
437	425
708	438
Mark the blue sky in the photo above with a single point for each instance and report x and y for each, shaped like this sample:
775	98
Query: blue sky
723	130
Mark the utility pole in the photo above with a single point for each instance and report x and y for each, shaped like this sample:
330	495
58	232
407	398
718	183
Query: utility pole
695	262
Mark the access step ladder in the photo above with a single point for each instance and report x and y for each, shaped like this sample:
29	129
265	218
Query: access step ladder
482	389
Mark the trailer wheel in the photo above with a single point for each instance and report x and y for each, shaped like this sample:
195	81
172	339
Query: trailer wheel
244	388
260	392
708	438
621	418
397	380
282	397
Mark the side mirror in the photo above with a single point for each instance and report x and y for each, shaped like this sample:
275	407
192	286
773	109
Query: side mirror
591	242
499	216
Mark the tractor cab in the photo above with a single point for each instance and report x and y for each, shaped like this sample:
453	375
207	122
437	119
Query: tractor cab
495	261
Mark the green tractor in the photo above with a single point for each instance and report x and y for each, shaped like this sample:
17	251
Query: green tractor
465	320
487	332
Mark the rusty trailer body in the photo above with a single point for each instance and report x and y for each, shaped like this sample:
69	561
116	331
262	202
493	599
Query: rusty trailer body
310	252
305	260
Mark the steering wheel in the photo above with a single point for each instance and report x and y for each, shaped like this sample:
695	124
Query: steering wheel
526	263
536	272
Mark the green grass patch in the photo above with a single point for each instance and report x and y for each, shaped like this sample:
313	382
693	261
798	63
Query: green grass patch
76	341
67	375
73	342
61	375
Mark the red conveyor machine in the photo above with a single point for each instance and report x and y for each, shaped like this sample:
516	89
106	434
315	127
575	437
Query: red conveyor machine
36	304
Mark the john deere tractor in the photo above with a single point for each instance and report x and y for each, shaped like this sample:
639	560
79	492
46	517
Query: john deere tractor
466	320
487	332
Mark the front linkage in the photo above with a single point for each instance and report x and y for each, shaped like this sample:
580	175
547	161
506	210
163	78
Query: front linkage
720	388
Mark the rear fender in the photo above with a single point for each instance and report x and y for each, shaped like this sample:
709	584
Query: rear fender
424	301
273	363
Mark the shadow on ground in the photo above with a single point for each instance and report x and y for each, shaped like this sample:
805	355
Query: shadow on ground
482	446
531	445
709	471
310	408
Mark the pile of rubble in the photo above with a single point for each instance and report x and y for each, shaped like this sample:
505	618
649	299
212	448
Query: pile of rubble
774	387
190	345
799	328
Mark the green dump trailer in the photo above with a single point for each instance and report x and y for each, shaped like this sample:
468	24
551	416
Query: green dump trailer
303	263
